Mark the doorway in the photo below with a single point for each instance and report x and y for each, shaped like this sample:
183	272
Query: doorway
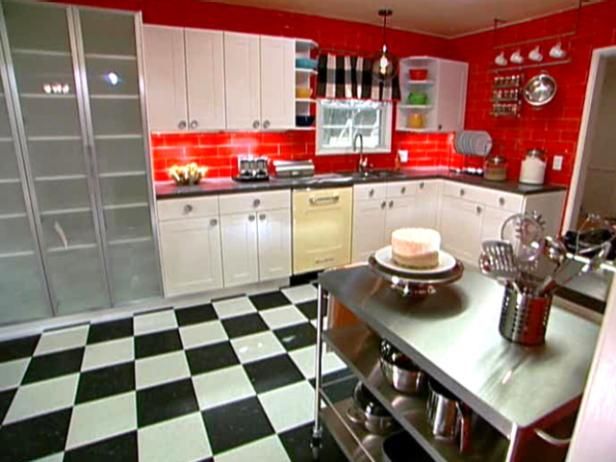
594	174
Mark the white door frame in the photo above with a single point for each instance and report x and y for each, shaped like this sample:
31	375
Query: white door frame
585	137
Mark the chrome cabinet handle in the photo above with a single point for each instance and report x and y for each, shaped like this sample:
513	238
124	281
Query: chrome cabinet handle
403	190
266	124
255	124
182	124
391	204
256	203
194	124
187	209
422	185
479	210
213	222
262	217
383	204
251	218
371	193
501	201
462	192
324	260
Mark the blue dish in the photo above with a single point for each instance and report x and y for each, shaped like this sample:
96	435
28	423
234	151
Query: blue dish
304	120
306	63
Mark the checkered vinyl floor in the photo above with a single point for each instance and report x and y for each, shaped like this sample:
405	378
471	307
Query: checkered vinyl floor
227	381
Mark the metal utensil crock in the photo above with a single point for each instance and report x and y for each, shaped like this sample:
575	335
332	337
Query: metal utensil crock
524	316
449	418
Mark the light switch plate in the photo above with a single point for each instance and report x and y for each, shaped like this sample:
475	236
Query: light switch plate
403	154
557	163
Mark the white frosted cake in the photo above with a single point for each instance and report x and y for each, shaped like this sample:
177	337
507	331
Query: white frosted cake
416	247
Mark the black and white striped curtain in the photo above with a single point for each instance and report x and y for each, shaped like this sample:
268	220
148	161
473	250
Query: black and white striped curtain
352	77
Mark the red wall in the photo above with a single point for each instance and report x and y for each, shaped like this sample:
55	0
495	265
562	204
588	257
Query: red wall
554	128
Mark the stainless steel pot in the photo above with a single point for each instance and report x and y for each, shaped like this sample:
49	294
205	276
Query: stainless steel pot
400	371
449	418
369	413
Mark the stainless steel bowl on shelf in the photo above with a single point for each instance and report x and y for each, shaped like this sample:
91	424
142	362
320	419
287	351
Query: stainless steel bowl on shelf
368	412
400	371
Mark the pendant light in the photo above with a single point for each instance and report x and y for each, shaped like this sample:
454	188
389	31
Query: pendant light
385	65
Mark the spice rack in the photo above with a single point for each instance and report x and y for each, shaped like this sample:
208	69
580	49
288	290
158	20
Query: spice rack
507	95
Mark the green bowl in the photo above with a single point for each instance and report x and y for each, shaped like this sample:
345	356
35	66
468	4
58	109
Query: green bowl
417	99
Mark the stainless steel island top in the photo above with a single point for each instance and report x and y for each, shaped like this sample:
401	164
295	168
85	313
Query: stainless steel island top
453	335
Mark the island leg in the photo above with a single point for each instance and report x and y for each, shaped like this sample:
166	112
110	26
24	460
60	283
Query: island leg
317	431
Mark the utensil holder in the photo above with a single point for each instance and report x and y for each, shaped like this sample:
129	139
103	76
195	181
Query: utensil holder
524	316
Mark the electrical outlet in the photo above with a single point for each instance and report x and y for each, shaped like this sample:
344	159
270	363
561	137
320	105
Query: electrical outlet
557	163
403	154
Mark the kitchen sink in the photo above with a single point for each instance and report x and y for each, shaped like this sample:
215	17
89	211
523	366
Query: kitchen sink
330	179
379	174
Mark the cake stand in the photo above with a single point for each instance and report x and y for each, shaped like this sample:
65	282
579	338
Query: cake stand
414	284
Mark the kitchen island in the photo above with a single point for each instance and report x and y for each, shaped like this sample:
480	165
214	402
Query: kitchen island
516	393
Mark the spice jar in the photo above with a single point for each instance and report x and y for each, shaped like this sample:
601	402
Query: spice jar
495	168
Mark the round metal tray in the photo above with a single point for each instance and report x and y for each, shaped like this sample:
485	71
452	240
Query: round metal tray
418	285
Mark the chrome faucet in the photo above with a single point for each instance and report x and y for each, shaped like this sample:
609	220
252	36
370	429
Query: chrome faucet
362	165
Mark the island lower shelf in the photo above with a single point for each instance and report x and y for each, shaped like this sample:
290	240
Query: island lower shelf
358	347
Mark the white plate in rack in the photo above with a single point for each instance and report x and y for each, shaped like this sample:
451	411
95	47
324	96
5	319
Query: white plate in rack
446	262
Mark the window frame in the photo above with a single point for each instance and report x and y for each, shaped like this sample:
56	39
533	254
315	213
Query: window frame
386	126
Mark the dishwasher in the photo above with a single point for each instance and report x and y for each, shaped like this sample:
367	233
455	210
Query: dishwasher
321	228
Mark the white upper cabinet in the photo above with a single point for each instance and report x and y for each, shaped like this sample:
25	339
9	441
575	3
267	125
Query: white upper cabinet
277	82
450	101
445	90
242	81
165	78
205	79
184	78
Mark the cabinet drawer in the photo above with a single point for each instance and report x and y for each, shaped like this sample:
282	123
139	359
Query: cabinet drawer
505	201
190	207
463	191
247	202
401	188
370	191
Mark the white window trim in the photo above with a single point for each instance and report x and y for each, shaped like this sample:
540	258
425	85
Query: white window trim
338	151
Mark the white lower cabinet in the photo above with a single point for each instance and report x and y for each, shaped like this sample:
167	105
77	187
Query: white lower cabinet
239	249
492	222
427	204
274	238
460	228
400	214
368	227
191	255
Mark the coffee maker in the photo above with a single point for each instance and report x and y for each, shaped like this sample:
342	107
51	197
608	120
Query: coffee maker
252	168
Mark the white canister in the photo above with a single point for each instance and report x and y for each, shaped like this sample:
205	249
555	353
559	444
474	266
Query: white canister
533	167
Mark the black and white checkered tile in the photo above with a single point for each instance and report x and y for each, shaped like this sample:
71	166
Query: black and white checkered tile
227	381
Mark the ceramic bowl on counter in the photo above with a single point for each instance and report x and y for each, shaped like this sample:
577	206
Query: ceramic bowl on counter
400	371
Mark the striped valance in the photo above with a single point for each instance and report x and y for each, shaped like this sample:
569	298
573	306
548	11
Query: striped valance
352	77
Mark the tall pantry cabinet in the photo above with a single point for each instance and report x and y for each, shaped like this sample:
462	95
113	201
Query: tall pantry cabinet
77	232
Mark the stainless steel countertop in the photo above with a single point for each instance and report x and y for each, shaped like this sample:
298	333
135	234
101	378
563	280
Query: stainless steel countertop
168	189
453	335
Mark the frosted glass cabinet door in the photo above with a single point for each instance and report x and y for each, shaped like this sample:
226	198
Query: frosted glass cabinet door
22	293
113	84
38	36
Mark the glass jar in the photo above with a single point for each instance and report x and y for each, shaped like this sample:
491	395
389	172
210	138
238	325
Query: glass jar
495	168
533	167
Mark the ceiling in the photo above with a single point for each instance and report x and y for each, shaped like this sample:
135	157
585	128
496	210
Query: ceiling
447	18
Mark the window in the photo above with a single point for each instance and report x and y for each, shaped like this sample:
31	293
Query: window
338	121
